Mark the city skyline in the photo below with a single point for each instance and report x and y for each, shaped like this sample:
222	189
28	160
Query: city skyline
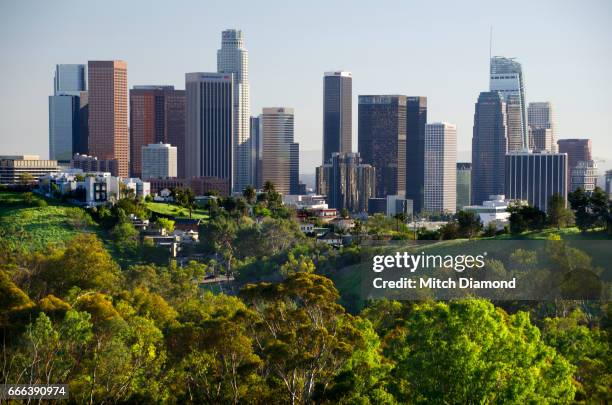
580	49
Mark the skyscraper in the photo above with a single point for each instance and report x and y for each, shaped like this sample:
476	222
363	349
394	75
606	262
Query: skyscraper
234	58
347	182
577	150
541	118
583	175
440	167
158	161
535	177
464	184
416	118
108	112
280	162
608	180
64	106
382	141
256	152
506	77
337	113
514	123
157	114
489	146
209	124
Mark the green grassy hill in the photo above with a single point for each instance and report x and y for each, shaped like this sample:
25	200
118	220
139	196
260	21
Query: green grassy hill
173	210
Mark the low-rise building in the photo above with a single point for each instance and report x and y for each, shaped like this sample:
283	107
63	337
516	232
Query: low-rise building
301	202
15	169
139	187
494	210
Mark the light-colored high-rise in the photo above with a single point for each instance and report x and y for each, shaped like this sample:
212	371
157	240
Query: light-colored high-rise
159	161
541	119
440	167
280	154
234	58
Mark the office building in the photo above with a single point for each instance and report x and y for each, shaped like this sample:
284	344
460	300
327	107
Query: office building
584	176
489	146
18	169
234	58
337	113
440	167
81	143
64	104
280	155
157	114
108	112
416	118
256	152
608	185
506	78
514	123
541	119
464	184
93	164
578	150
347	182
159	161
535	177
382	141
494	210
209	121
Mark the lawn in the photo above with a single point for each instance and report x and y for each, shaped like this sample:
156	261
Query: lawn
173	210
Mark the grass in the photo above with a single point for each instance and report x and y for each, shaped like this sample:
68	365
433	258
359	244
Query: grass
174	211
572	233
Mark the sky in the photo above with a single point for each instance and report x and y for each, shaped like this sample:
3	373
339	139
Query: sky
438	49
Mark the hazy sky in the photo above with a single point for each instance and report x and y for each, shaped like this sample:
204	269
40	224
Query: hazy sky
437	49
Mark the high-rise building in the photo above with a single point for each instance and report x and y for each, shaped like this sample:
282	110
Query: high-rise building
584	176
506	77
280	156
541	119
337	113
157	114
93	164
382	141
159	161
440	167
608	180
536	177
15	169
256	152
108	112
347	182
234	58
514	123
81	144
64	105
489	147
209	124
464	184
578	150
416	119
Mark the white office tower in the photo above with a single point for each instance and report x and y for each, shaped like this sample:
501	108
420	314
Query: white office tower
440	167
506	77
234	58
542	120
158	161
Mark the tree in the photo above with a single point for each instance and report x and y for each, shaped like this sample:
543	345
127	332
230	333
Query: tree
250	194
292	265
526	218
185	198
165	223
268	187
26	179
559	215
469	223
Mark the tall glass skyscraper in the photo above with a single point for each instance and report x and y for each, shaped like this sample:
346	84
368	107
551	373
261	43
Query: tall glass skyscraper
541	120
489	146
416	119
280	154
64	106
464	184
506	77
337	113
234	58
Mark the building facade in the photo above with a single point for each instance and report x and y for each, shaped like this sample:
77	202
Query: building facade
337	113
441	167
489	147
280	155
536	177
416	119
464	184
159	161
93	164
382	141
256	152
608	185
108	113
347	182
584	176
541	119
157	114
209	124
234	58
199	185
17	169
578	150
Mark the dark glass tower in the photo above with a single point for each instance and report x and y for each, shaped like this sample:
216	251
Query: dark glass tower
337	113
416	119
489	146
382	141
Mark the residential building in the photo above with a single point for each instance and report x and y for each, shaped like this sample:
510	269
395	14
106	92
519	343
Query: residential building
337	113
464	184
489	146
90	189
494	210
137	187
280	155
16	169
157	114
440	167
108	113
93	164
542	124
584	176
305	202
382	140
159	161
209	134
536	177
416	119
233	58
